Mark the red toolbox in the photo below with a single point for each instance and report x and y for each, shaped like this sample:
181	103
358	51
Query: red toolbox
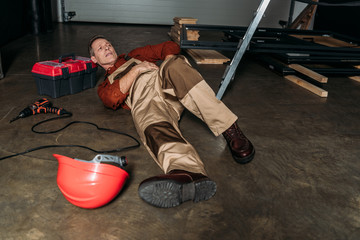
90	72
69	74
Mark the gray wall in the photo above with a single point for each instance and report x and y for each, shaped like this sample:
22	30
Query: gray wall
215	12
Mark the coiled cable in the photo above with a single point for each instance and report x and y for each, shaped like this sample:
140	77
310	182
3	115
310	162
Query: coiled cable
67	115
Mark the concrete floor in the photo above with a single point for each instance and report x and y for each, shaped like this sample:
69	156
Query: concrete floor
304	182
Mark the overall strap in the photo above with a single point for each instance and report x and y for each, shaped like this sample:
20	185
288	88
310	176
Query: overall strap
123	69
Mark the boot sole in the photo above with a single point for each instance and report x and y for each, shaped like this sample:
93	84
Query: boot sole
245	159
168	193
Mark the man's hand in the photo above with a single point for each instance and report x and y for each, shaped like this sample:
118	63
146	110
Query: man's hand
169	56
144	67
126	81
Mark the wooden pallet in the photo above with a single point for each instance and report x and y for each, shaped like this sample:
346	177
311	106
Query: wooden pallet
207	56
175	30
308	86
192	35
184	20
200	56
355	78
311	74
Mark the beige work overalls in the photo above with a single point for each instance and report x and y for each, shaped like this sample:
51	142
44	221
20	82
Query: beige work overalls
157	99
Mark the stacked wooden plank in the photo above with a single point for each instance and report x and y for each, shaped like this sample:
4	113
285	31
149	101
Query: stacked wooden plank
200	56
356	78
207	56
305	84
175	31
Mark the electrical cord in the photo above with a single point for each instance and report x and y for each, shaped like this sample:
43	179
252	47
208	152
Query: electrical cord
67	115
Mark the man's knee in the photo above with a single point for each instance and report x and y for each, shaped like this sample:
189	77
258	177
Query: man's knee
160	133
180	75
175	63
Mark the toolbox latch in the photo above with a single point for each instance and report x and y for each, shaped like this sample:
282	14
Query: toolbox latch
88	67
65	72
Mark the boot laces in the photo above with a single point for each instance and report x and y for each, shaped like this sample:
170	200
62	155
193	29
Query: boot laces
233	132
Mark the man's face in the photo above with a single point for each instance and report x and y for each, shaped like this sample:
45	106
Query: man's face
104	52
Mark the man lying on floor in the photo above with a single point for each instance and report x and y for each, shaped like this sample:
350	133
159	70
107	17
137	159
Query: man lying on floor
156	97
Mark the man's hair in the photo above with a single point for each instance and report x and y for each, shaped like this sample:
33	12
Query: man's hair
92	39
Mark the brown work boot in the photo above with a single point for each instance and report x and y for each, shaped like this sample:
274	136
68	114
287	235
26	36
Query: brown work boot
176	187
241	148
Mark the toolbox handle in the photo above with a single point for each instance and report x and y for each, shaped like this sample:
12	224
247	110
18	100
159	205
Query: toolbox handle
72	55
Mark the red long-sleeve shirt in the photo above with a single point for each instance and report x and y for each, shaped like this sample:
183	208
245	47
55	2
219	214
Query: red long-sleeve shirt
110	94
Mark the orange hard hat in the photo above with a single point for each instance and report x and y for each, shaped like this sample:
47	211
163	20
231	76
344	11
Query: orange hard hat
91	184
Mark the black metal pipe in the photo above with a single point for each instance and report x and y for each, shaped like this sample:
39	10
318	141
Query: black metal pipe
35	17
